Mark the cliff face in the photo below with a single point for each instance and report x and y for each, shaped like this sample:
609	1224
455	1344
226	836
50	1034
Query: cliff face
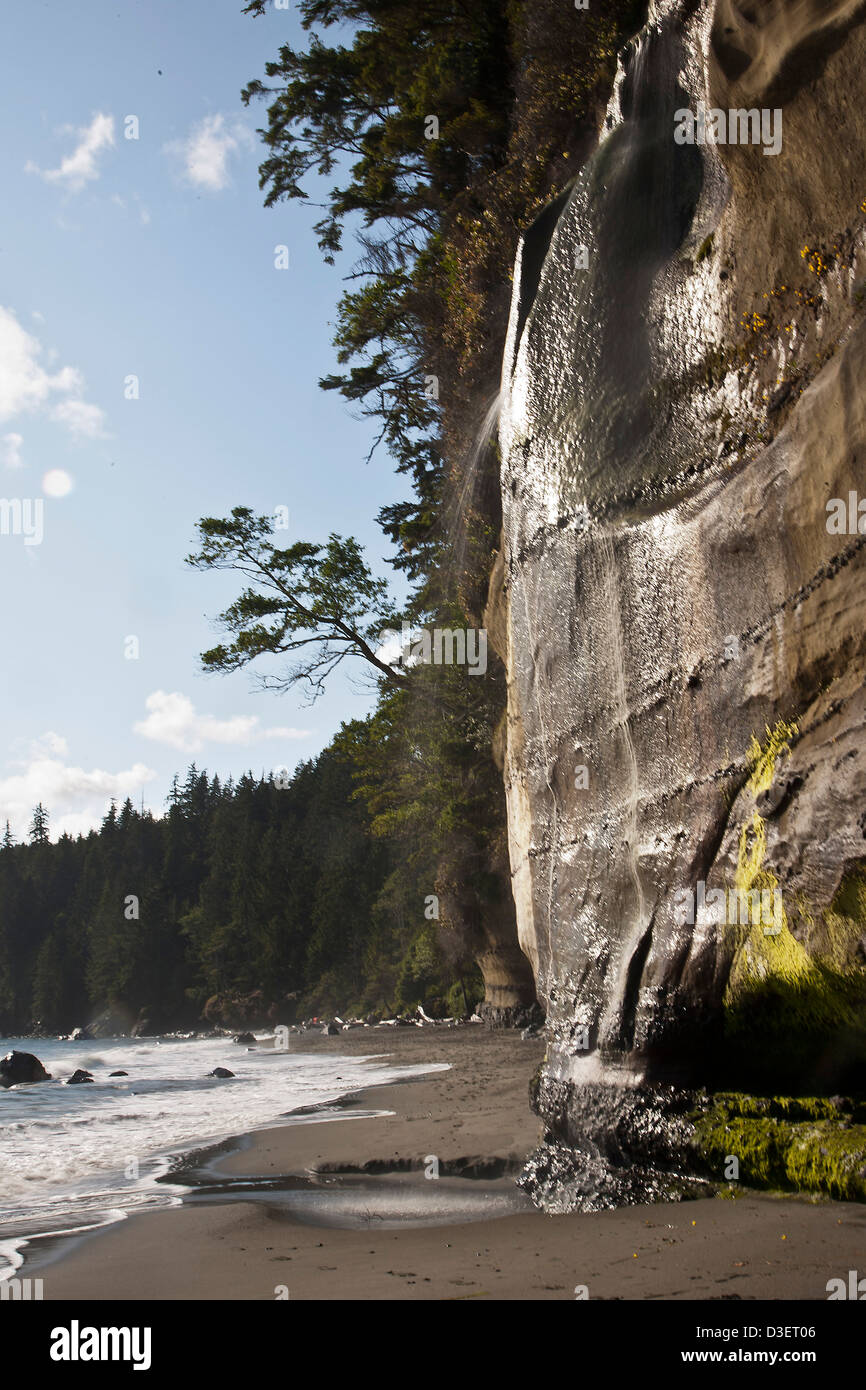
683	395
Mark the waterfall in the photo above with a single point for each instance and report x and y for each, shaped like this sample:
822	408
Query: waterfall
484	439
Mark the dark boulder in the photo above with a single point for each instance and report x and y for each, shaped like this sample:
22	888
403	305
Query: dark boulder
80	1078
221	1072
119	1073
331	1031
80	1035
245	1038
21	1068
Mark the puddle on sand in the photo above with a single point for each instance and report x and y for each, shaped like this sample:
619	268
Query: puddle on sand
358	1203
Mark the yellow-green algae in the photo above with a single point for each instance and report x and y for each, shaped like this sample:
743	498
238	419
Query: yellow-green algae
805	1144
762	758
793	1016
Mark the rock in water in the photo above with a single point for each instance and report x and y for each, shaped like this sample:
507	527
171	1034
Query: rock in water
221	1072
80	1078
21	1068
80	1035
246	1038
118	1073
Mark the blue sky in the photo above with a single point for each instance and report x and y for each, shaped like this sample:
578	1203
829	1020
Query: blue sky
153	258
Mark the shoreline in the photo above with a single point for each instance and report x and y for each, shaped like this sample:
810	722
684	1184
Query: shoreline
184	1172
167	1180
335	1204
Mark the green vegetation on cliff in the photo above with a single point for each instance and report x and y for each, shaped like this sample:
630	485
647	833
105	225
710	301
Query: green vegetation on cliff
795	1004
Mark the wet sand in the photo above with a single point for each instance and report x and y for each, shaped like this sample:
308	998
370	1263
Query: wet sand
248	1232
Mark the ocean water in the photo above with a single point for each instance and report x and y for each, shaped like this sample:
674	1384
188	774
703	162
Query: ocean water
76	1157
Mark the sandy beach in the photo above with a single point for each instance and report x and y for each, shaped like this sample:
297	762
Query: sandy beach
235	1239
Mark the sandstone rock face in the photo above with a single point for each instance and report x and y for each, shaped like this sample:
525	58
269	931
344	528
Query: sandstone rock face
684	392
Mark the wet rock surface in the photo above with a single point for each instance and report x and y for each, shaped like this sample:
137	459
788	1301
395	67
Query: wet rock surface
607	1146
21	1068
682	631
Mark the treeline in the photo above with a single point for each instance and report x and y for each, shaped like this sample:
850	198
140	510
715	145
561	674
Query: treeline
247	902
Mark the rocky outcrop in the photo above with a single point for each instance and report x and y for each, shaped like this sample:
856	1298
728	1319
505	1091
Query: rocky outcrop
489	930
21	1068
115	1022
241	1012
682	398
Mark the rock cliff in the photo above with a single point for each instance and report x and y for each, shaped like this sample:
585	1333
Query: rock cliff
681	590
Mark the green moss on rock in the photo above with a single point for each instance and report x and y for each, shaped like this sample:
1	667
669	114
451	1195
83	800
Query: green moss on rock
795	1003
791	1143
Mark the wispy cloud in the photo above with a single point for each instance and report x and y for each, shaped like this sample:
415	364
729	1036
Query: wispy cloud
49	744
82	419
172	719
81	166
10	450
206	151
25	385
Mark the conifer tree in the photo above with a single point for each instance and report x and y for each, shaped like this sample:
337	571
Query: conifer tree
39	826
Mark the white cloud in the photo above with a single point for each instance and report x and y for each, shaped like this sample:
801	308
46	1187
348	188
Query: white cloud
83	420
49	743
10	447
25	385
172	719
76	800
205	152
80	167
